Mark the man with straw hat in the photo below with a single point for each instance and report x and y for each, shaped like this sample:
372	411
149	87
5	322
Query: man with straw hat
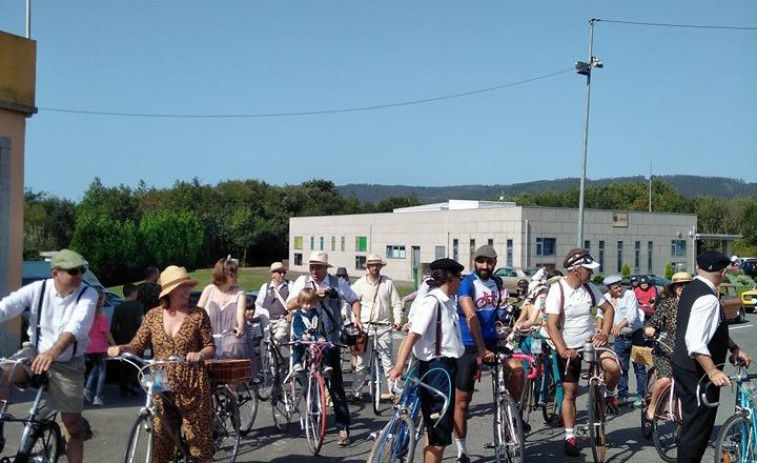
272	297
62	310
380	311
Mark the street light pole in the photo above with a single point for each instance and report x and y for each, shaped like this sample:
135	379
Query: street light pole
585	70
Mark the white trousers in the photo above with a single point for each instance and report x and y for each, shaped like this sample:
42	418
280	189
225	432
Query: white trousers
384	337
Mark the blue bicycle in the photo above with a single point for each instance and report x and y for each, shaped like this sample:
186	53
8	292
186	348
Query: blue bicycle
737	440
396	442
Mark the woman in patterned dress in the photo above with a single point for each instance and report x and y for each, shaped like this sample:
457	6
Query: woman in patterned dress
664	321
225	302
175	329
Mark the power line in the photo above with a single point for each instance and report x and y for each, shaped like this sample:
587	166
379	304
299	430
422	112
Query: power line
688	26
305	113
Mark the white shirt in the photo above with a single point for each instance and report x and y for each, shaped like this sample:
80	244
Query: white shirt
577	324
387	300
304	281
59	315
703	321
424	324
626	307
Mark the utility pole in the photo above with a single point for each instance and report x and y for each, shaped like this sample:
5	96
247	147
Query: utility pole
28	19
650	186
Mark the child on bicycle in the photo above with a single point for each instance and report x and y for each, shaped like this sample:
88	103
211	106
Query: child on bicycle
99	340
306	328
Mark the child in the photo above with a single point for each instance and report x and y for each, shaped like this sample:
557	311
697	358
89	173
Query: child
99	340
306	328
253	334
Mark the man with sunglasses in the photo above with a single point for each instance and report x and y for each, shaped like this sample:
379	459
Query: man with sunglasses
61	311
272	297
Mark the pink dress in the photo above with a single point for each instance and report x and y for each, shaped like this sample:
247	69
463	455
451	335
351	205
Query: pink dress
98	335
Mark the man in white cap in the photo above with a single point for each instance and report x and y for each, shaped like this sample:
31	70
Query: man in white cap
626	329
331	293
570	325
380	312
272	297
61	313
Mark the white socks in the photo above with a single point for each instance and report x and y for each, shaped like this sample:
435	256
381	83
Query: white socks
461	449
609	393
569	433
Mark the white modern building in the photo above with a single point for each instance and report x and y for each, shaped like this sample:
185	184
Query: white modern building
524	237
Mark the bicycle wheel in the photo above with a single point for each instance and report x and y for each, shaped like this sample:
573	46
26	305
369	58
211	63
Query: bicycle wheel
527	400
735	441
268	370
46	444
597	435
226	433
376	380
282	404
550	407
646	426
315	417
139	448
396	442
509	443
248	402
666	427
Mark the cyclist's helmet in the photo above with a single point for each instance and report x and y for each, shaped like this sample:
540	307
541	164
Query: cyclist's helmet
643	280
634	280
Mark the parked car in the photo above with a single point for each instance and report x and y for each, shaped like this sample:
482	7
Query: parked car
749	300
510	277
749	267
731	304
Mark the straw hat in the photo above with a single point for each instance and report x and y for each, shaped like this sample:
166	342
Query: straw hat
374	259
677	279
319	258
173	277
277	266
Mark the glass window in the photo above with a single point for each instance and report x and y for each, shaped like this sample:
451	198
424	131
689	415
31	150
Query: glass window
342	248
297	258
297	242
321	248
395	252
587	245
620	256
601	256
312	242
455	250
440	252
361	243
333	243
509	258
678	248
545	246
490	242
650	247
359	262
636	256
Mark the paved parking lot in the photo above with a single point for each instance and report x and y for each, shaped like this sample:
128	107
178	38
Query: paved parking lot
265	443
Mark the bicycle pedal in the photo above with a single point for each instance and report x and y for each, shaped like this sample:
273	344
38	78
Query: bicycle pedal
489	445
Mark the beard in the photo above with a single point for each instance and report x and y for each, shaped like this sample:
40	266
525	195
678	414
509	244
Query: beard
483	273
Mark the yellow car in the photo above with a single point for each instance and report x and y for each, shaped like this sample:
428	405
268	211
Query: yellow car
749	300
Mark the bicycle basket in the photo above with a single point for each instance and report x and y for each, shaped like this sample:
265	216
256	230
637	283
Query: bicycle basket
231	371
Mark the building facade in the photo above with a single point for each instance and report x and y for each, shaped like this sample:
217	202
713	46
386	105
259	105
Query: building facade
524	237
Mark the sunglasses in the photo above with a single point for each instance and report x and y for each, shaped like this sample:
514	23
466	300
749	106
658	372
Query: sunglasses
76	271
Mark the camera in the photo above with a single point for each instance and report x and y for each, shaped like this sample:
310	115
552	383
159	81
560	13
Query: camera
332	293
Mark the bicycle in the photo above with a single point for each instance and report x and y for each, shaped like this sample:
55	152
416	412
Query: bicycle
153	379
313	389
508	440
665	426
273	367
541	391
376	370
41	437
248	400
596	404
737	439
397	440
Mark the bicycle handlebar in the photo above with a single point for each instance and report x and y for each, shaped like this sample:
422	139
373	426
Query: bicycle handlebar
315	343
740	377
597	350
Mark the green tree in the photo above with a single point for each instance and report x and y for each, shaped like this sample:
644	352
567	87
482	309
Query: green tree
395	202
626	270
669	270
172	238
110	247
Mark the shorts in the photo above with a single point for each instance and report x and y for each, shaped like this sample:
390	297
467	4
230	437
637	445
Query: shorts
574	368
66	381
467	367
439	430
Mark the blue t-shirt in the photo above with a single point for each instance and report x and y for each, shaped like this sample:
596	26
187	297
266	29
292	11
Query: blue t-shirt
486	298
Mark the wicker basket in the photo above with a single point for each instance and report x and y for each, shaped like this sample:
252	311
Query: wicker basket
229	371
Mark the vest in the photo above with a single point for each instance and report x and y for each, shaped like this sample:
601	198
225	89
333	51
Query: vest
272	303
329	312
718	345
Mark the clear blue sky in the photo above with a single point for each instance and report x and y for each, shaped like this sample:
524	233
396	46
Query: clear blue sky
684	99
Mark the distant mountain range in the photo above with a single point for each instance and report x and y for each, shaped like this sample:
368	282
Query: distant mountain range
687	185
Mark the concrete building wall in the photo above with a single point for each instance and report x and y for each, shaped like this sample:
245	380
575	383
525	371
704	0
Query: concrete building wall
420	237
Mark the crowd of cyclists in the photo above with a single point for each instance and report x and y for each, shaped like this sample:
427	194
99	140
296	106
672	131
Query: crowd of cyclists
455	324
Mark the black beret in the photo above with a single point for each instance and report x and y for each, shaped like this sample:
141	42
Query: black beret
446	264
712	261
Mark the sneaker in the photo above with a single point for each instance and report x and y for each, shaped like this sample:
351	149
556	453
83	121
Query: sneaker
353	398
343	439
327	371
297	368
624	400
98	402
638	402
463	459
571	447
87	395
613	406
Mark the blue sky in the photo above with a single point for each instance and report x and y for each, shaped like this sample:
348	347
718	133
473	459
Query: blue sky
683	99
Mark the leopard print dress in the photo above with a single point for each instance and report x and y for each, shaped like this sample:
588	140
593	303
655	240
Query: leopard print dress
190	387
665	321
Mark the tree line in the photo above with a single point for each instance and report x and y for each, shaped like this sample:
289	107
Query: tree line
121	230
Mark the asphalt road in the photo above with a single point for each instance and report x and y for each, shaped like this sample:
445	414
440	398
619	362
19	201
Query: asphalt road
265	443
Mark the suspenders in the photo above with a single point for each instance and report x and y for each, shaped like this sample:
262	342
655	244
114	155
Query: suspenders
39	315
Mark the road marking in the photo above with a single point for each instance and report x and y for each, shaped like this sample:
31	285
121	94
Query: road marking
740	326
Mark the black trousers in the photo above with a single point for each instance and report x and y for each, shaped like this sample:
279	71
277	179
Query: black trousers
698	421
336	389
